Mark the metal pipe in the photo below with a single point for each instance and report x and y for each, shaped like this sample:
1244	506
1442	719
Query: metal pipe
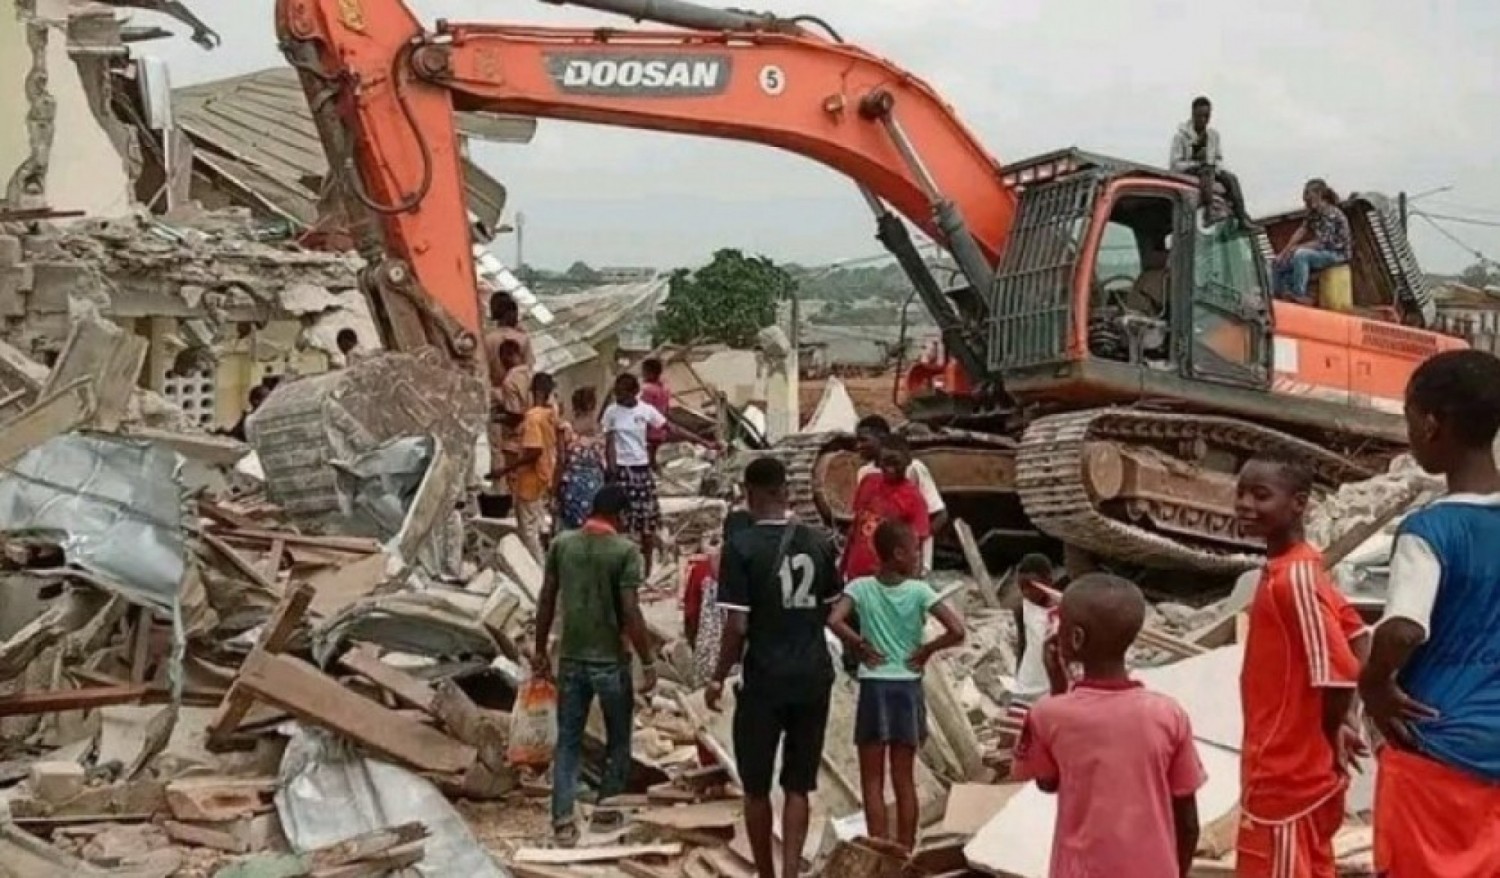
680	13
949	221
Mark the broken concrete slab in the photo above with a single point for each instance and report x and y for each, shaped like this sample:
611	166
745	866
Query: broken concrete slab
972	805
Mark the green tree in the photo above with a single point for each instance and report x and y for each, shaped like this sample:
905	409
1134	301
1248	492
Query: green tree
1480	274
727	301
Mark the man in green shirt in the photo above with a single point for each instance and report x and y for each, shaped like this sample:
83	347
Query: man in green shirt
596	572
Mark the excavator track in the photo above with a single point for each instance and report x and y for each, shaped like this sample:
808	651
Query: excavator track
803	455
1052	480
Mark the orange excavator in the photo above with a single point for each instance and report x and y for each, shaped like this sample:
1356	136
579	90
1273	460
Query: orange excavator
1116	349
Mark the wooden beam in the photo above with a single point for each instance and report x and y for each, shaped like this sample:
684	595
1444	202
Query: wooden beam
362	660
274	637
32	703
363	545
301	690
975	560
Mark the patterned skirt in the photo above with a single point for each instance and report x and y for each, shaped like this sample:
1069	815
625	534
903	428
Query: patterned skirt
644	515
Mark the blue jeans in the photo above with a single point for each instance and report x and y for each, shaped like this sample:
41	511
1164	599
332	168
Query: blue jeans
578	683
1292	275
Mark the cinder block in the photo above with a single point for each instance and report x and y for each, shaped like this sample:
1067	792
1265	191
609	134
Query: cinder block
57	782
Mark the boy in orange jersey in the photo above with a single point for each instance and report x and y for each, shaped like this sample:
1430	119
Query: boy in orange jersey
1297	687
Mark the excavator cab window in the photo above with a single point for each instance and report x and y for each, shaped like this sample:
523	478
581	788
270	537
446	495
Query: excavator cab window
1130	293
1228	320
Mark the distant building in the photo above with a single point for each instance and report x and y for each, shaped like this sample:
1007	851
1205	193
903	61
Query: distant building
625	274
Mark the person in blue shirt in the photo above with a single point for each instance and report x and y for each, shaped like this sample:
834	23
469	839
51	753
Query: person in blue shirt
1432	684
890	720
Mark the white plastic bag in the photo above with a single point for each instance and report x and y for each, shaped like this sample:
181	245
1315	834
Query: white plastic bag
533	724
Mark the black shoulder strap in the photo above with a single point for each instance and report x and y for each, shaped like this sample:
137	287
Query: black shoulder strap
781	549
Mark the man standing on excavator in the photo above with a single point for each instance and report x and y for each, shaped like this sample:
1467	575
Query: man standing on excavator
1196	151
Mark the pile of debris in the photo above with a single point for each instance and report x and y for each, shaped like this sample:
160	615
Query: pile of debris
215	667
213	271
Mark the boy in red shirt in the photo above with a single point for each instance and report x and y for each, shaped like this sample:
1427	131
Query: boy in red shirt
1120	758
881	496
1297	687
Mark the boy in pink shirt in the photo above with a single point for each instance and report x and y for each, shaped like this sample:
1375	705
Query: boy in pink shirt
654	393
1120	758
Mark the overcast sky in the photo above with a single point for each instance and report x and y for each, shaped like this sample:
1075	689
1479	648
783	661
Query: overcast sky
1375	95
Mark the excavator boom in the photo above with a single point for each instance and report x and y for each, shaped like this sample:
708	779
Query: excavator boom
384	90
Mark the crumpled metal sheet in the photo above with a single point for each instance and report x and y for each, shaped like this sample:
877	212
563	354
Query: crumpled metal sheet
117	508
329	793
376	488
411	622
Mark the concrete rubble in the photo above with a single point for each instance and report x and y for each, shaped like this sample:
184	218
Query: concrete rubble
296	655
183	710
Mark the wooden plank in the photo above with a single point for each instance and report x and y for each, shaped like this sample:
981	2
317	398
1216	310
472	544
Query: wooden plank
274	637
66	411
218	799
140	646
975	561
393	861
367	845
604	854
362	545
1175	645
728	864
363	660
707	815
307	694
338	587
270	567
239	562
205	837
522	870
32	703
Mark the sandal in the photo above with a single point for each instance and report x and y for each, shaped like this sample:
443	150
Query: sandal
606	821
565	835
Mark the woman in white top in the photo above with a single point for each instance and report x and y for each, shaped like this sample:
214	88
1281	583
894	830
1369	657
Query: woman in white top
627	457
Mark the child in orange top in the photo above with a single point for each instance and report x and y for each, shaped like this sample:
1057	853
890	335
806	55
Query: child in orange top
882	496
1297	687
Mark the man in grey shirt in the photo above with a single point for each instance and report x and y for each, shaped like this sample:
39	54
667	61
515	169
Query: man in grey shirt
1196	152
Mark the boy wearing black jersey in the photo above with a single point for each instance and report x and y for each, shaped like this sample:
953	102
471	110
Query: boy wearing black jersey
777	582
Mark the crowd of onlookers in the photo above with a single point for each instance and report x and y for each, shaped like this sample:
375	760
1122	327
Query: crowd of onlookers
1123	760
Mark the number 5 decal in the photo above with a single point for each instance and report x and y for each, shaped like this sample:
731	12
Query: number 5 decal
772	80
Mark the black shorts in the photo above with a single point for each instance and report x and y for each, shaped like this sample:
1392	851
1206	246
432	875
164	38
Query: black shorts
890	712
793	718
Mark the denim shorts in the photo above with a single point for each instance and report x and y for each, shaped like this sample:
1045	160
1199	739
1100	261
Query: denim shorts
890	712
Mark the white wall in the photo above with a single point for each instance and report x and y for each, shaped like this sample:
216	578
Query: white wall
84	170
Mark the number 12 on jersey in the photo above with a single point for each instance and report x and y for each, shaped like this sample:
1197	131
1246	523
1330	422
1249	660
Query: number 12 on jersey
797	577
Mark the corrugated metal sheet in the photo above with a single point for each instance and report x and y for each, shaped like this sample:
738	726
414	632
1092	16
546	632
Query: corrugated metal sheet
256	134
582	320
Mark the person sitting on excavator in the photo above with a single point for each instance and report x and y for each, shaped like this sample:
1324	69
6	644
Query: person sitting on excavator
1322	241
1196	151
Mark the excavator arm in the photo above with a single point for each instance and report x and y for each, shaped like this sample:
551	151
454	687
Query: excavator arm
384	90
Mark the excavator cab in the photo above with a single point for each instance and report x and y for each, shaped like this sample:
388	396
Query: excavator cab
1115	275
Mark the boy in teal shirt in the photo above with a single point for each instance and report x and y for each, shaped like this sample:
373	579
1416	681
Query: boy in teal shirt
891	719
